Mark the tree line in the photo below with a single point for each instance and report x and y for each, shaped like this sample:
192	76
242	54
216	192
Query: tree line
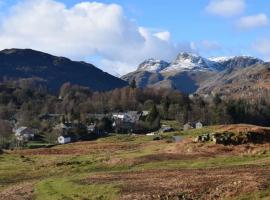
25	100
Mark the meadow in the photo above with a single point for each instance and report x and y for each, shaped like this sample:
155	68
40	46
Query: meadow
137	167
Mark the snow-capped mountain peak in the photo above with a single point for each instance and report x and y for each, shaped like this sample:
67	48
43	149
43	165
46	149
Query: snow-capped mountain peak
221	59
193	62
190	61
153	65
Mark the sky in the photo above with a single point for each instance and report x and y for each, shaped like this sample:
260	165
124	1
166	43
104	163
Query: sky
117	35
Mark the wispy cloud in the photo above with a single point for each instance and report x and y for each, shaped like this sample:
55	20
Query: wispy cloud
253	21
226	8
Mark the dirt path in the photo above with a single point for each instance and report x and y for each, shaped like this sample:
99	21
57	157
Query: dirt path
22	191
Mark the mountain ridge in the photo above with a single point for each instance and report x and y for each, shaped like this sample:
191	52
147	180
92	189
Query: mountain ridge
54	70
190	72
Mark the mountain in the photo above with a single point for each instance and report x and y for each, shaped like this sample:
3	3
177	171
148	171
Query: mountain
54	71
191	62
153	65
248	82
191	73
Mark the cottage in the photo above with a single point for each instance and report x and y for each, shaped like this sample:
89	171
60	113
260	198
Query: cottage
145	113
24	133
130	116
91	128
188	126
64	139
65	128
199	125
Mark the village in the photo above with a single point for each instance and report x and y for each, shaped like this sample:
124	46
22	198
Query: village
120	123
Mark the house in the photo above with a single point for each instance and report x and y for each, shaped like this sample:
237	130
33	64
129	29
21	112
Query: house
188	126
130	116
64	139
145	113
64	127
91	128
24	133
199	125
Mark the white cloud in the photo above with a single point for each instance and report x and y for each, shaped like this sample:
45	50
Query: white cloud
262	46
166	36
84	30
226	8
253	21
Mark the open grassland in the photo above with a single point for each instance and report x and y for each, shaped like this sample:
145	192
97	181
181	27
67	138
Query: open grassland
136	167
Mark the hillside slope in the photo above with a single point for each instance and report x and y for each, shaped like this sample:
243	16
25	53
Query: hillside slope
246	82
27	63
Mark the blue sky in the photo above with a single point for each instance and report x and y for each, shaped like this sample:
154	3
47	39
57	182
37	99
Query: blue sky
208	27
187	20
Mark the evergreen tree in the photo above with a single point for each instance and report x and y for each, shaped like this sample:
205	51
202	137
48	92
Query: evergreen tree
133	84
153	114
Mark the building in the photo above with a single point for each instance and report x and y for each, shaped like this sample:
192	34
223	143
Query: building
130	116
188	126
126	122
199	125
91	128
64	139
24	133
65	128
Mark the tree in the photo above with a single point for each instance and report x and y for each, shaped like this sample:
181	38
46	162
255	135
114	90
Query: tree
51	137
217	100
105	124
5	134
165	107
133	84
153	114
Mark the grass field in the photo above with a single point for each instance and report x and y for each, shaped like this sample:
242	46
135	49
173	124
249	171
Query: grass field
136	167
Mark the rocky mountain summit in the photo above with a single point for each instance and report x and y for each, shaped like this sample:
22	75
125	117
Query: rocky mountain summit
191	73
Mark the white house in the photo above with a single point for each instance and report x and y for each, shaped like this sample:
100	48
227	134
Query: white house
91	128
130	116
199	125
64	139
24	133
188	126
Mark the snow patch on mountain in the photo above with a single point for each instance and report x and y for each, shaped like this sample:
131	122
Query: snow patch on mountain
221	59
190	61
153	65
193	62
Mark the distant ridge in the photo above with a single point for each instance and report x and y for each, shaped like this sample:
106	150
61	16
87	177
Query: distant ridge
28	63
